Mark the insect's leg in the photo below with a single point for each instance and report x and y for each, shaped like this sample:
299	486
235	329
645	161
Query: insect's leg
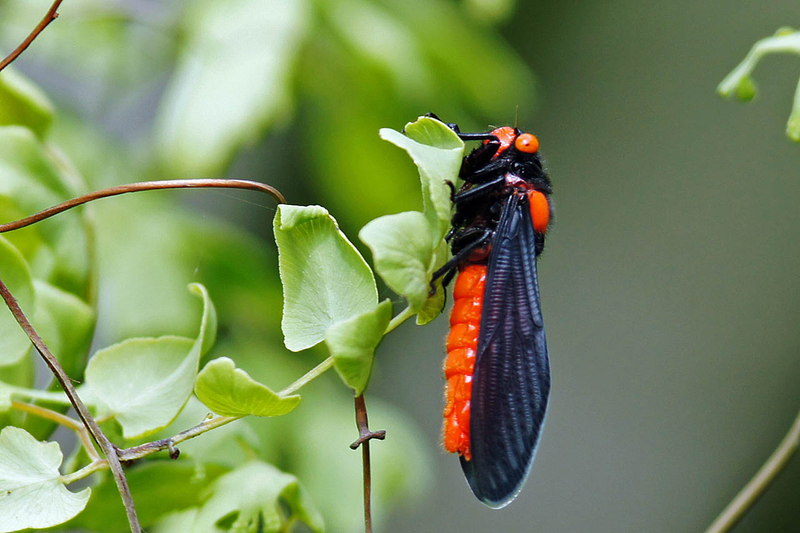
459	258
478	191
478	159
464	136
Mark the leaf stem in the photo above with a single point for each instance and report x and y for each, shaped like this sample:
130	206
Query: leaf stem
109	450
49	17
401	317
143	186
64	420
308	376
760	482
137	452
33	394
86	471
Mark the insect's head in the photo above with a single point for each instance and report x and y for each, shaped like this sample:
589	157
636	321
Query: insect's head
524	143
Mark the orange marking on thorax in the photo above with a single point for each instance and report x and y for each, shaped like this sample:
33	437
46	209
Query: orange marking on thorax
540	211
462	346
506	136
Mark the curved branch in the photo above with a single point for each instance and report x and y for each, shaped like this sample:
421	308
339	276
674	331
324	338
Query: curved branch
49	17
751	492
143	186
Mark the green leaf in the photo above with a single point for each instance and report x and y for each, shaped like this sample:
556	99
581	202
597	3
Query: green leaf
23	103
325	279
232	79
144	383
437	151
402	251
230	391
14	344
793	125
30	181
434	304
31	492
66	324
249	499
352	344
158	486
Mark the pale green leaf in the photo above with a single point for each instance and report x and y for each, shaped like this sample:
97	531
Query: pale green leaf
325	279
14	344
65	322
31	492
352	344
144	383
402	250
232	79
30	181
249	499
23	103
437	151
230	391
159	486
434	304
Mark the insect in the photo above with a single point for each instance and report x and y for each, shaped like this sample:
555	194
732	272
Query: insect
497	369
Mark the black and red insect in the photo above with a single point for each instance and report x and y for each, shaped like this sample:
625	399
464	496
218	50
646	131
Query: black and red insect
497	369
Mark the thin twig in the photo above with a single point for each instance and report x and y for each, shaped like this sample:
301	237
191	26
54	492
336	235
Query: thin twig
143	186
64	420
365	435
143	450
760	482
49	17
109	450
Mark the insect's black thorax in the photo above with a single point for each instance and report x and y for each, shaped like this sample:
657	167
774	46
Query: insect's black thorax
493	178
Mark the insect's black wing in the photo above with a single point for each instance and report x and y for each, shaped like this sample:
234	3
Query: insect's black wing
511	382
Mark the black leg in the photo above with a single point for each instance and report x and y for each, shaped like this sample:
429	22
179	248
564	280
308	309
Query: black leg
478	191
459	258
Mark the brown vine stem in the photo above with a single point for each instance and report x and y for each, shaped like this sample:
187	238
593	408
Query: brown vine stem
143	186
49	17
109	450
143	450
365	435
751	492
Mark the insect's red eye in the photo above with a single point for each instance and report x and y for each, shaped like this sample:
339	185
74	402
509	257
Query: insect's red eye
527	143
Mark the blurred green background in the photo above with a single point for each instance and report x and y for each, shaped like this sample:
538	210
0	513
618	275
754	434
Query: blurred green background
669	282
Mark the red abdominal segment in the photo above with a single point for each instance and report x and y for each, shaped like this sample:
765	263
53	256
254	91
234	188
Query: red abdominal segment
462	345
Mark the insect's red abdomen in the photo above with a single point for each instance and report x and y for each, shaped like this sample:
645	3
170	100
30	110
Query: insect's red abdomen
462	345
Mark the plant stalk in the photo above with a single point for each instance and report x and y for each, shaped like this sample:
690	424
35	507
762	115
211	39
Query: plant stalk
751	492
49	17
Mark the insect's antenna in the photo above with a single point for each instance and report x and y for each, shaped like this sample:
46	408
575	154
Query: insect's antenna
516	117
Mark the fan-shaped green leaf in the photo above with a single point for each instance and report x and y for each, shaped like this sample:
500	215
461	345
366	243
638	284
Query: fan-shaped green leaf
230	391
325	279
14	344
352	343
437	151
249	499
32	494
23	103
145	382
